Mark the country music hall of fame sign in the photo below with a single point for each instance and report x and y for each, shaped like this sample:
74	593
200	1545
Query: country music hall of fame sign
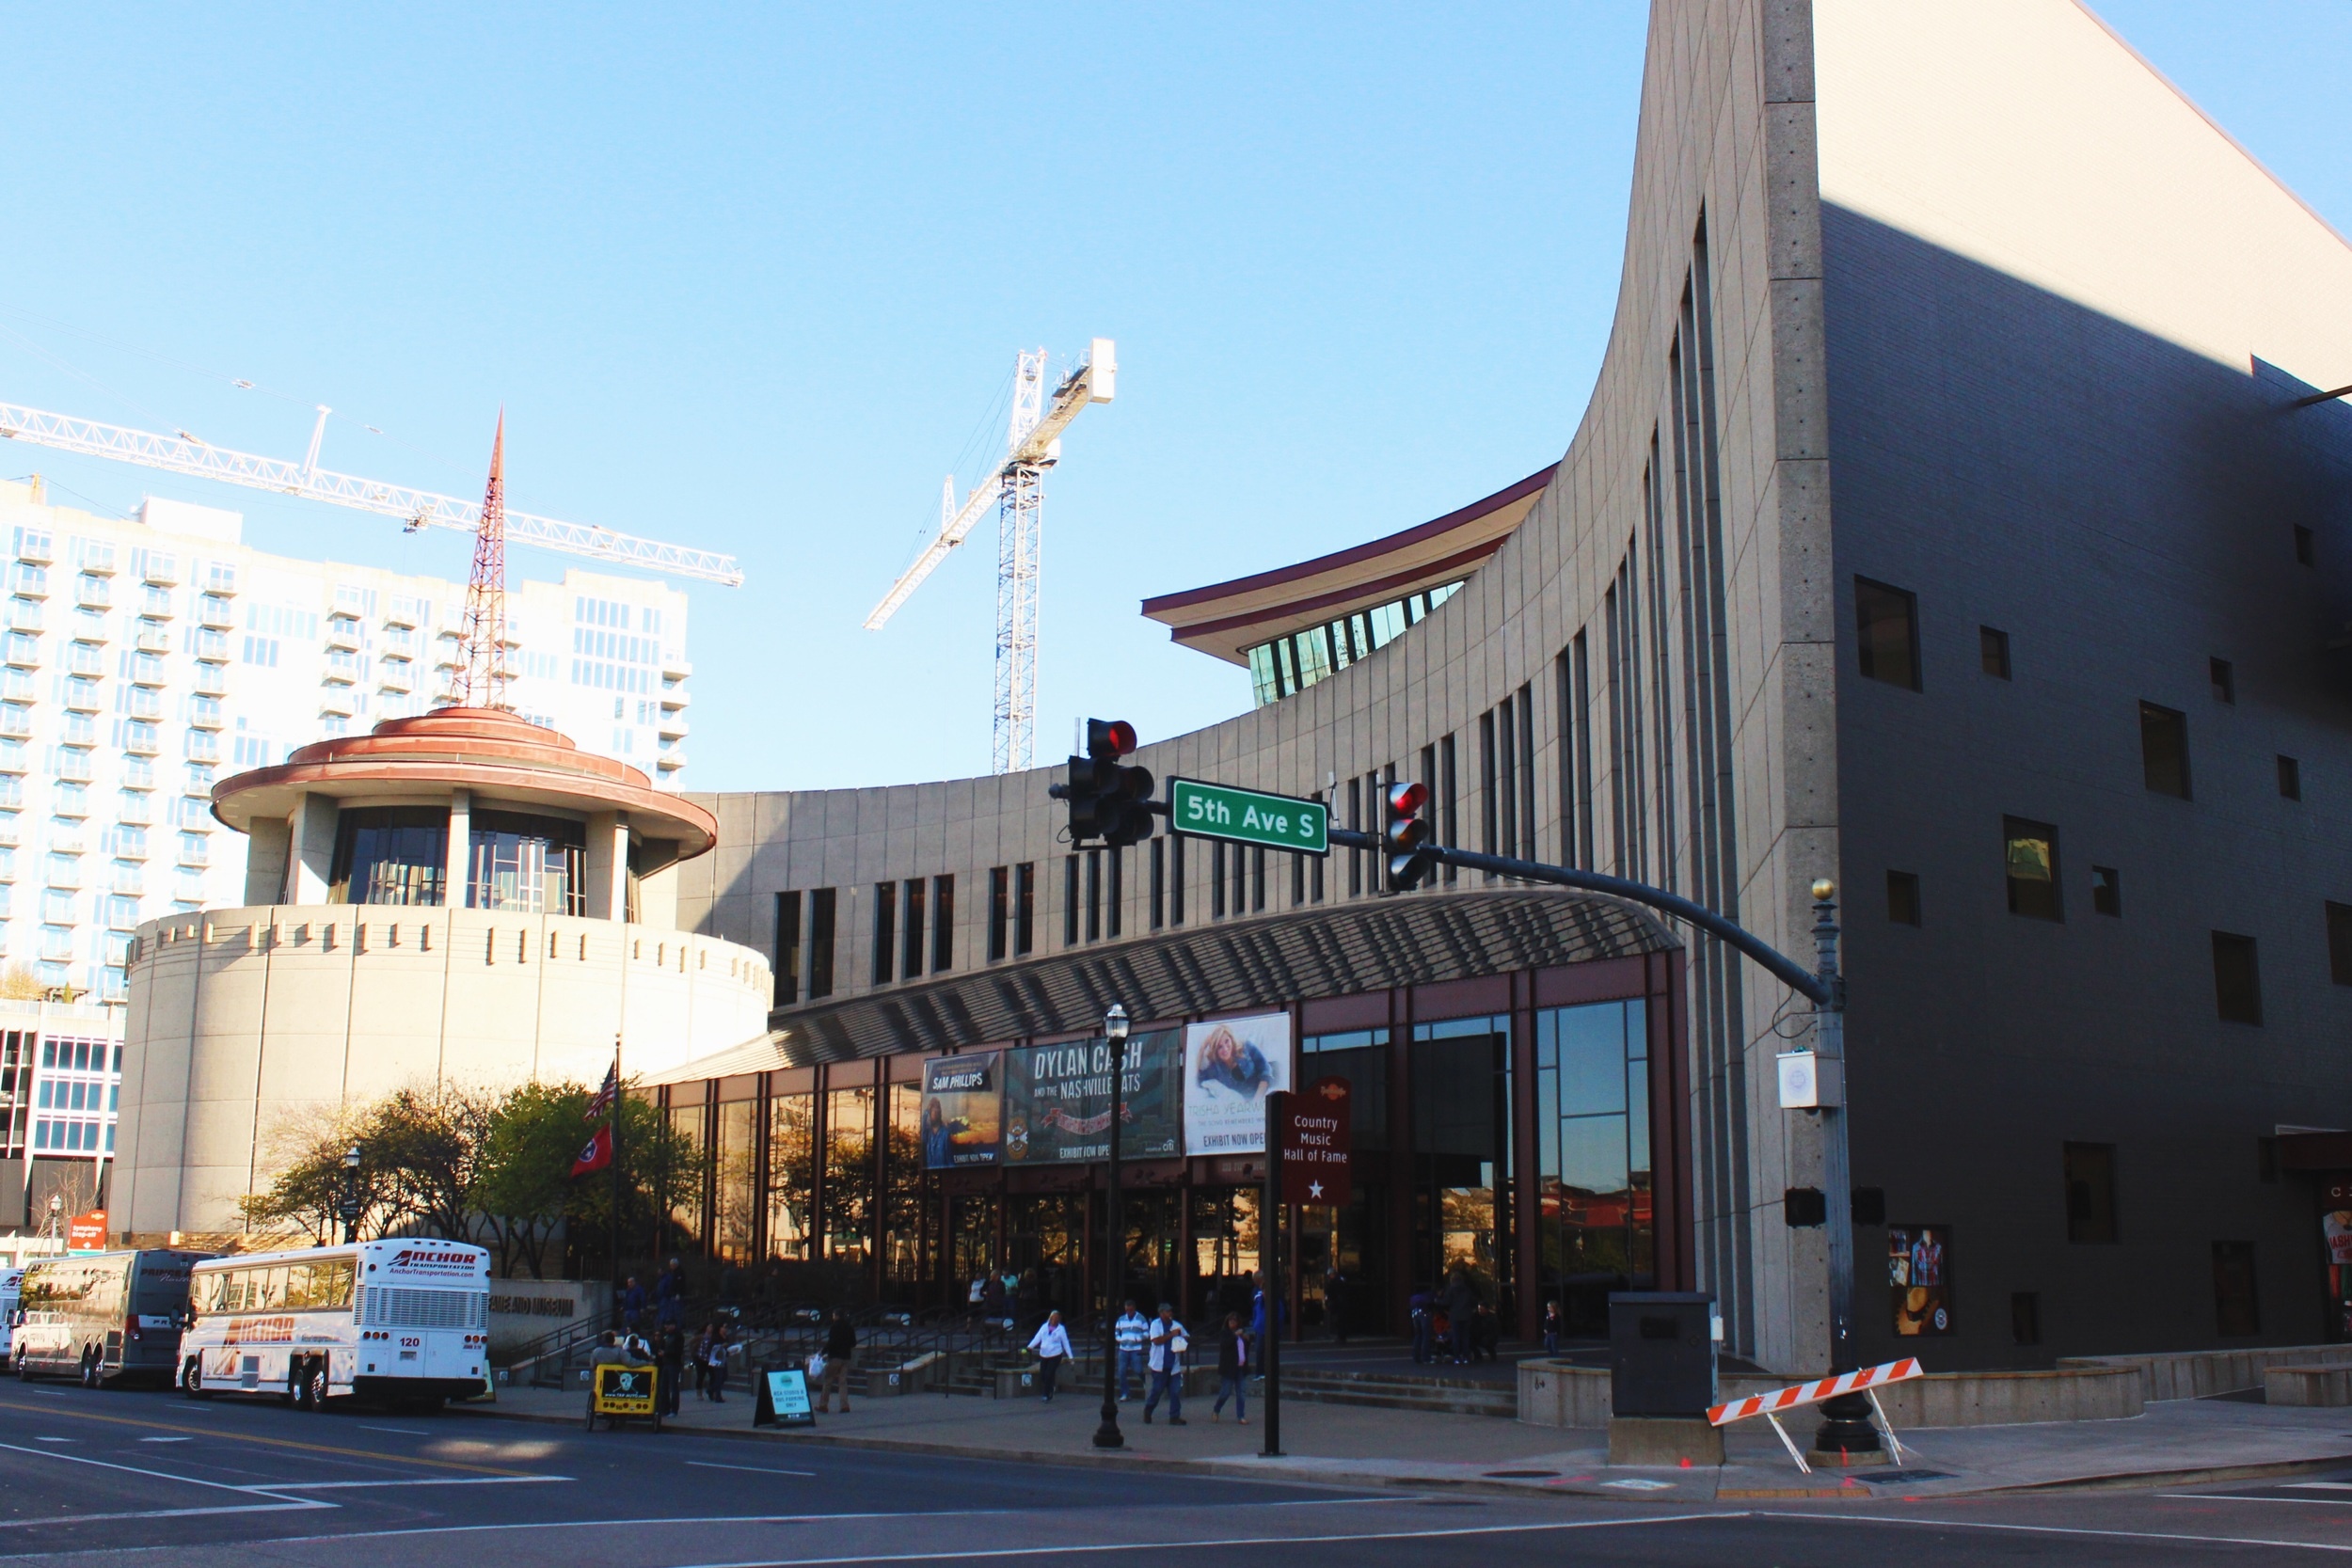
1317	1137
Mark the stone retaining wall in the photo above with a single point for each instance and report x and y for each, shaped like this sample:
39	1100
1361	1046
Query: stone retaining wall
2200	1374
1554	1393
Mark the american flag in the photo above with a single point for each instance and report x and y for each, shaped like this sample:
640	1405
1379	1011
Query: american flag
602	1102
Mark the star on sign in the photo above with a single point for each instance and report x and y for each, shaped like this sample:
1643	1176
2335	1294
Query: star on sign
1314	1189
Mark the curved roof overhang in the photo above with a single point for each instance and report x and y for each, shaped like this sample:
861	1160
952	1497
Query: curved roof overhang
1225	618
1296	956
488	750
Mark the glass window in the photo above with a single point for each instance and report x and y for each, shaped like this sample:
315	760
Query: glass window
390	855
2164	749
1903	898
2339	944
2106	890
2032	866
849	1229
1888	624
527	865
791	1174
2090	1209
1362	1057
1593	1158
731	1226
1993	648
2236	979
903	1227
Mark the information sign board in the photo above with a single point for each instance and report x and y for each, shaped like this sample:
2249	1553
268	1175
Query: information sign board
783	1400
1249	816
1317	1134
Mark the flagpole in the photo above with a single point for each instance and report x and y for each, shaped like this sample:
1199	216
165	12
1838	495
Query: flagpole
617	1092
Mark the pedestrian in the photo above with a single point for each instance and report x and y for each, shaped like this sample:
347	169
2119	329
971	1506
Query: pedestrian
992	1297
1232	1369
840	1352
669	1296
1165	1346
1551	1328
1051	1344
1335	1305
1461	1307
701	1361
633	1303
1131	1330
670	1352
1424	1328
718	1363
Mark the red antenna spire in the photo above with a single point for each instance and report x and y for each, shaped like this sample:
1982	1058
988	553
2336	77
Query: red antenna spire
482	641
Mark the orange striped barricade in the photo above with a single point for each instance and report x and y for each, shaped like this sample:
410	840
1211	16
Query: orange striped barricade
1864	1382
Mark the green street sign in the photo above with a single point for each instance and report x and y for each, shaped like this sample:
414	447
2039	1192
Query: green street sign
1246	816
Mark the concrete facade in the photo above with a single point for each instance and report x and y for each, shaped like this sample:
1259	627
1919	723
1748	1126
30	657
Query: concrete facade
2046	326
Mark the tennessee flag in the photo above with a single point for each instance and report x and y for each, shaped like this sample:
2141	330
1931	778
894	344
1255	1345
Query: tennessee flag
596	1154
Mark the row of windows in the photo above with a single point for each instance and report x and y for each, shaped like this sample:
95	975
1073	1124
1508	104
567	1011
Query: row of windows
73	1137
1295	662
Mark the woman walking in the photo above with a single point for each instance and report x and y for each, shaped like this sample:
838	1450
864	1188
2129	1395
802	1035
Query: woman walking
718	1363
1051	1344
1232	1369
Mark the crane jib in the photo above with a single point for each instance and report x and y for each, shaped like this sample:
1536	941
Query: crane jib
188	454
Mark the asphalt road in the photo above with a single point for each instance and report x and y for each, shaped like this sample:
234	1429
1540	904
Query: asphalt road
150	1481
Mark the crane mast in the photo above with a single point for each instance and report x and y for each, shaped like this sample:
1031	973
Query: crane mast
1017	489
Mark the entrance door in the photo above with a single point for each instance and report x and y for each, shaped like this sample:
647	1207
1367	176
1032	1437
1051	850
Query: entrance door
1342	1288
971	1241
1045	1238
1461	1157
1149	1220
1223	1268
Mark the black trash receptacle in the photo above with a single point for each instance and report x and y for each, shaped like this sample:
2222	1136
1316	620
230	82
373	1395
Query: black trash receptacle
1662	1353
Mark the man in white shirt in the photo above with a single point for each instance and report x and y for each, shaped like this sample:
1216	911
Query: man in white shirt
1133	1329
1168	1344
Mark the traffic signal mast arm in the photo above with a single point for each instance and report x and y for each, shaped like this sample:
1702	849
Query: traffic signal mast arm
1783	968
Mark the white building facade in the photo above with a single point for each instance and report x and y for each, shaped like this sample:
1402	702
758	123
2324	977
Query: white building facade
144	658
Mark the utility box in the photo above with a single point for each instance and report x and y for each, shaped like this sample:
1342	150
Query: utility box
1662	1353
1811	1081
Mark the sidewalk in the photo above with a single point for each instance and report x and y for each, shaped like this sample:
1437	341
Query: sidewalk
2179	1442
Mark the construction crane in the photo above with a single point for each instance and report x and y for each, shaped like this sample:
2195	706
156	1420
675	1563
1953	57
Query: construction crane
183	453
1032	444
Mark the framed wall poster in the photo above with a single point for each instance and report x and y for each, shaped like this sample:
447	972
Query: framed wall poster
962	1110
1230	1066
1057	1100
1919	1278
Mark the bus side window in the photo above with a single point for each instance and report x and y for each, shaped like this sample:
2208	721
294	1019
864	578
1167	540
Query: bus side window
298	1286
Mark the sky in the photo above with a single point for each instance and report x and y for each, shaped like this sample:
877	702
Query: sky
752	279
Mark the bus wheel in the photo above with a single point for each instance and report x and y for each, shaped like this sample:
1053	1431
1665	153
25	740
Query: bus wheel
314	1387
192	1379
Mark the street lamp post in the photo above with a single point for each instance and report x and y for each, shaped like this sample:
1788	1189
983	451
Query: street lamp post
57	1219
1115	1255
347	1205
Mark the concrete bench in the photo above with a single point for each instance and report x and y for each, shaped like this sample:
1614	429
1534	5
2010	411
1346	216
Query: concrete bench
2327	1384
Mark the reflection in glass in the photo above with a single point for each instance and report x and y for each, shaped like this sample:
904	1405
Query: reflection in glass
791	1174
1592	1105
686	1121
390	855
731	1227
527	865
848	1230
903	1231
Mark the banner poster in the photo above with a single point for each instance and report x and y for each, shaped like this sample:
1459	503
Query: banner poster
1229	1068
962	1110
1057	1102
1919	1278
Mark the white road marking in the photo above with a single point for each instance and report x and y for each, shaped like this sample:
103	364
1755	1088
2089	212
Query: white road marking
134	1469
2073	1530
775	1519
167	1439
430	1480
56	1439
755	1469
296	1505
405	1432
1163	1546
2321	1485
2234	1497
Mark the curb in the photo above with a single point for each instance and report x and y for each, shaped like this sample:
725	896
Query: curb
1236	1468
1229	1469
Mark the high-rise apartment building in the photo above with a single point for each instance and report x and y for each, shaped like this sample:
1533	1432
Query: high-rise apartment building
143	659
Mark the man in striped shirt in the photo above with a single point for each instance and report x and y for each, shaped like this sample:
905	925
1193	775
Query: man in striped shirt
1131	1329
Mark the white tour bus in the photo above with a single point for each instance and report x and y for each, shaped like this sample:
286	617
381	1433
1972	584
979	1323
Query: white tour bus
9	1278
406	1321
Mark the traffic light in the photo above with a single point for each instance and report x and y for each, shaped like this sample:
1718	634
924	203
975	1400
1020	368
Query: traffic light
1411	857
1107	799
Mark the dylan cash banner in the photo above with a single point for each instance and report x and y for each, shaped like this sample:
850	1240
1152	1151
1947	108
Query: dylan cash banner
1316	1142
1057	1102
1231	1065
962	1110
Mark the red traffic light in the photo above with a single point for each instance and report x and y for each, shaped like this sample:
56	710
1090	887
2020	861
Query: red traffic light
1109	738
1406	799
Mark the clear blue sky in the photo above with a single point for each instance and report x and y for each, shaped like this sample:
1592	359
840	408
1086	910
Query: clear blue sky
754	280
